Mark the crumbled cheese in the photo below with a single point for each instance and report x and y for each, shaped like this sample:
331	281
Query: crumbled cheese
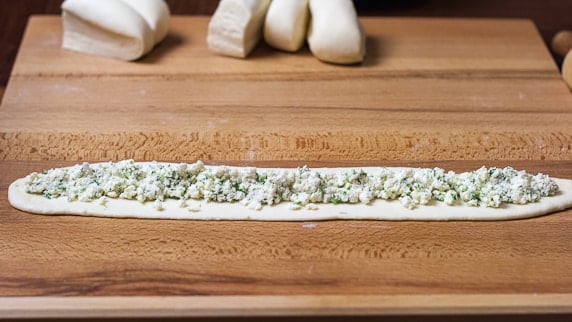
158	204
194	207
312	206
303	187
294	206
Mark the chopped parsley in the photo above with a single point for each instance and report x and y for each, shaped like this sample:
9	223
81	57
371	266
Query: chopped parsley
304	187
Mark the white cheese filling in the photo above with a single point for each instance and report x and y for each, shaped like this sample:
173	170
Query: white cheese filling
303	187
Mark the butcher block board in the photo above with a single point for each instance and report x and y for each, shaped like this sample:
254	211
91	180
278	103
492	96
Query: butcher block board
93	267
429	89
452	93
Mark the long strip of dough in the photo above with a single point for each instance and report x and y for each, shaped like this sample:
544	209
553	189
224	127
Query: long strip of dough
286	24
335	34
236	26
204	210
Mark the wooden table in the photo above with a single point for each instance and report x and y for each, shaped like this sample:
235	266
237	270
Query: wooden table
453	93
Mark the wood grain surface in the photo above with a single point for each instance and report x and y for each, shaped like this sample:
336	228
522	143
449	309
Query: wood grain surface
524	262
430	89
549	16
304	306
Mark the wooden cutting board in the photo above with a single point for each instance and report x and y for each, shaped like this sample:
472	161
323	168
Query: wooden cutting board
94	267
430	89
453	93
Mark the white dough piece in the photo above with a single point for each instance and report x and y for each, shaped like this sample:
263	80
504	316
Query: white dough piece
108	28
236	26
335	34
203	210
120	29
286	24
156	13
567	69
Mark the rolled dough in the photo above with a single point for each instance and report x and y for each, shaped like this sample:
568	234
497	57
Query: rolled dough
286	24
376	210
120	29
156	13
335	34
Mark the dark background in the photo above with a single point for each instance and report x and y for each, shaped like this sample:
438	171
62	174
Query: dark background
550	16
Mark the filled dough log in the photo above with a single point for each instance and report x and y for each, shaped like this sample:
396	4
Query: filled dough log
203	210
156	14
335	34
286	24
236	26
195	191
